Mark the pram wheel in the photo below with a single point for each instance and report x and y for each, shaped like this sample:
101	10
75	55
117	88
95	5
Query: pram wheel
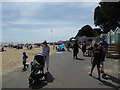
35	77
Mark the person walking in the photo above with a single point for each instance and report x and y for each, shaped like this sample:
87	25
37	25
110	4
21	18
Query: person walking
24	61
103	44
45	53
75	49
96	60
84	45
68	46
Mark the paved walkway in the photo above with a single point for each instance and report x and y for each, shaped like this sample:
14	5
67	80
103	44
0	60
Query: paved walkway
66	72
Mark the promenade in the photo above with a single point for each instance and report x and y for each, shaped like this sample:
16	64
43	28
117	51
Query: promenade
66	72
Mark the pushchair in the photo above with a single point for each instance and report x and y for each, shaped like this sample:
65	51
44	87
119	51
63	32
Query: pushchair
37	69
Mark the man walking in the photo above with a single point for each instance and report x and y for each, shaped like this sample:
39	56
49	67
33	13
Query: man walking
75	49
104	44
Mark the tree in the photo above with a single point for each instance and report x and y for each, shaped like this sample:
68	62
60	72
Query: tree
107	15
85	31
96	32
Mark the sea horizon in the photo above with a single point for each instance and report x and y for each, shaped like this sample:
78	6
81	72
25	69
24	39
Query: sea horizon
15	43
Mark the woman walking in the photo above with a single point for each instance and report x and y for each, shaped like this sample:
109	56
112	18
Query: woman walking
45	53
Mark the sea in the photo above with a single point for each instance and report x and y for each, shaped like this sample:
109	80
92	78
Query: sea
15	43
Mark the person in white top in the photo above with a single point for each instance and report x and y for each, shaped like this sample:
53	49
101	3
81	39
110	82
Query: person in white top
45	53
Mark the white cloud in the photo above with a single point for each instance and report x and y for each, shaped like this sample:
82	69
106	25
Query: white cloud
90	4
2	24
62	33
84	4
30	22
59	0
50	0
30	9
35	20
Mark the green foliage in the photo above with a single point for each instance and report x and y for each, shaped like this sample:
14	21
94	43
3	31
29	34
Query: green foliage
85	31
88	31
96	32
107	15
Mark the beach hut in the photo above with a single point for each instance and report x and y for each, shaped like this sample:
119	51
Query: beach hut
110	37
113	39
117	36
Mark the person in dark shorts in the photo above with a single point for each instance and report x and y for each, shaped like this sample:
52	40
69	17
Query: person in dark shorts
104	45
96	60
24	61
102	58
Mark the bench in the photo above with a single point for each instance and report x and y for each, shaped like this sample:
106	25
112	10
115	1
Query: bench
114	50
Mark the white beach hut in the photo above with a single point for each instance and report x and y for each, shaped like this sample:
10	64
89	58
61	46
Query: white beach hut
117	36
110	37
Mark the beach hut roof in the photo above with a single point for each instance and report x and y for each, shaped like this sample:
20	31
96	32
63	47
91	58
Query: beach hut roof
110	32
117	30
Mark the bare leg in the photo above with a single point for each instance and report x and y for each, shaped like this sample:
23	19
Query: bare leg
92	69
98	72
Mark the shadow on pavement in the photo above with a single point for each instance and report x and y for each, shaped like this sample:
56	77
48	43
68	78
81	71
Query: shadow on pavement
41	83
49	77
112	78
79	59
104	82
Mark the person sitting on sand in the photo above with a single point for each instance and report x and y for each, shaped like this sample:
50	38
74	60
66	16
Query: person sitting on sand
2	49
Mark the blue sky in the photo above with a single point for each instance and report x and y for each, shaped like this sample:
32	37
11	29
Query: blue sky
33	21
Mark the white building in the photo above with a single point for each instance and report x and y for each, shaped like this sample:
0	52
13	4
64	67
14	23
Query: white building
113	37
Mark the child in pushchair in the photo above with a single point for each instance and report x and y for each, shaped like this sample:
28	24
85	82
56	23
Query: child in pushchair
37	69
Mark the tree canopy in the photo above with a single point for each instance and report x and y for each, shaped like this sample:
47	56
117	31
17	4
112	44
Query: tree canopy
107	15
88	31
85	31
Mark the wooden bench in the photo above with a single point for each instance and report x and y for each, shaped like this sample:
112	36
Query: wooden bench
114	49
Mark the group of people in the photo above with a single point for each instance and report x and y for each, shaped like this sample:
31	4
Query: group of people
45	53
98	53
98	57
29	47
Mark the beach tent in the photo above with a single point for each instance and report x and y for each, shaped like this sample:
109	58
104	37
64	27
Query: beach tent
61	47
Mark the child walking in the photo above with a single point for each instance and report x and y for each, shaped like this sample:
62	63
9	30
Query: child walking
24	61
96	60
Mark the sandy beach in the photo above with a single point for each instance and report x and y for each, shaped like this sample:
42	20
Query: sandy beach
12	58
